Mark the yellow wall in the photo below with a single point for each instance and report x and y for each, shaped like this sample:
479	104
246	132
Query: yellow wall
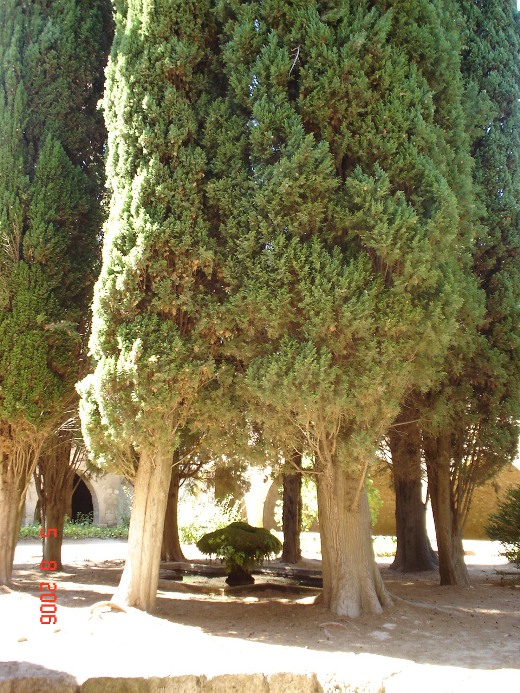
485	501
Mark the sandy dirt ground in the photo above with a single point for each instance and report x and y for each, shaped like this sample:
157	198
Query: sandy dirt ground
434	638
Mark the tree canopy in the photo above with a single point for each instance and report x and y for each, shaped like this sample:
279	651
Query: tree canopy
154	329
292	218
51	140
335	194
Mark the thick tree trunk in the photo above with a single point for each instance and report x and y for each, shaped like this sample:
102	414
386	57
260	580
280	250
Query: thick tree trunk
138	585
292	513
54	477
352	583
11	502
414	552
54	519
171	547
452	568
16	468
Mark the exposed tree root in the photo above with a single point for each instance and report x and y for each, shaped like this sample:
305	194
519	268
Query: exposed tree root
104	607
437	608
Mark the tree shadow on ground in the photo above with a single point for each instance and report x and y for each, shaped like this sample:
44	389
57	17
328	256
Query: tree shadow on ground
476	628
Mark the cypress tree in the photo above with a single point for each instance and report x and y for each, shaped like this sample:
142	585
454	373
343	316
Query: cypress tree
430	33
478	404
154	329
49	223
334	197
17	457
64	83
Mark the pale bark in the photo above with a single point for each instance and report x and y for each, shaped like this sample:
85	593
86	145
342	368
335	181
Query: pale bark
452	567
171	547
292	513
414	552
138	585
352	583
17	463
11	500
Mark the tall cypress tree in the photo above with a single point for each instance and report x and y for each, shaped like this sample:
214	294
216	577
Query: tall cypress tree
13	188
153	325
430	33
64	84
52	54
334	197
478	404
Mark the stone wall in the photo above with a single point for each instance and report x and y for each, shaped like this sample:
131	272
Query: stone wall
485	501
111	498
382	479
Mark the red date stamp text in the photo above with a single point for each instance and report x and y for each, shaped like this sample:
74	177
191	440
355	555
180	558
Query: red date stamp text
48	590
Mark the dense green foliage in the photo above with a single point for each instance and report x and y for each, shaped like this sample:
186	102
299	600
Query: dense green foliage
51	139
477	405
504	525
334	188
153	327
293	215
487	418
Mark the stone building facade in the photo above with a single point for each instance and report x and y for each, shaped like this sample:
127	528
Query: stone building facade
107	496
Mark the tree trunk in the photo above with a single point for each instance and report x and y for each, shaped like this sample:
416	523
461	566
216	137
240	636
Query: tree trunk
414	552
54	519
352	583
11	502
138	584
171	547
452	568
54	477
37	516
16	468
292	513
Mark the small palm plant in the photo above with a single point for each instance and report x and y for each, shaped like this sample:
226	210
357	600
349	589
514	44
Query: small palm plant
241	547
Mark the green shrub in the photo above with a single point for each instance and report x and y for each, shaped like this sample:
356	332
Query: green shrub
82	520
241	547
82	530
504	525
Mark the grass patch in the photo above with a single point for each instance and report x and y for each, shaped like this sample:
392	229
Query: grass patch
82	529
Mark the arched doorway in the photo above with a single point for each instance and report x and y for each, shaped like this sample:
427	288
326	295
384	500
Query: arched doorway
81	500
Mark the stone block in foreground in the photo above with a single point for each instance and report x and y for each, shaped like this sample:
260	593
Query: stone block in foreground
302	683
155	684
25	677
237	683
